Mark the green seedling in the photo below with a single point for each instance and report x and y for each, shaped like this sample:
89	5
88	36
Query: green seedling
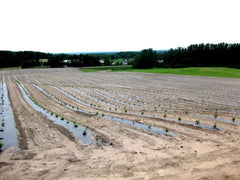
62	118
166	130
197	122
75	124
179	119
85	132
233	119
149	126
215	125
165	115
1	145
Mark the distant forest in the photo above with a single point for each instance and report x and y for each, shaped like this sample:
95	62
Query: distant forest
222	55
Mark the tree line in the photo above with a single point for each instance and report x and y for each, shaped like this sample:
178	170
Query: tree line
196	55
27	59
222	54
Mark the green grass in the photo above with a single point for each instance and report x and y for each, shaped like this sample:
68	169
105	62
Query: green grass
106	68
9	68
194	71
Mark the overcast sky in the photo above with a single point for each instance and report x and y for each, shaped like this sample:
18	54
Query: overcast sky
116	25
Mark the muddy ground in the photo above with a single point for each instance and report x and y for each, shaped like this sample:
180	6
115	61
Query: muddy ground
48	151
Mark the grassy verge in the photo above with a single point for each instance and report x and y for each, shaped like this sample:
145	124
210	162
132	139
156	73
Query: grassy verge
194	71
105	68
9	68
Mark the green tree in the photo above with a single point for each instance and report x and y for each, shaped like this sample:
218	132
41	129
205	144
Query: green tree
146	59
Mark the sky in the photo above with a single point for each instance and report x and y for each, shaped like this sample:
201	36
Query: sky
116	25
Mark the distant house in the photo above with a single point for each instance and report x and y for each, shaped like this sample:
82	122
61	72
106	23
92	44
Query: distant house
124	62
67	61
43	61
160	61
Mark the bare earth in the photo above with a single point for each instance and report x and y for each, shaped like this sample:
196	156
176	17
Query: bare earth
49	151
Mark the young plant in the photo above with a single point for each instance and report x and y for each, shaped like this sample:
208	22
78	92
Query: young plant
75	124
166	130
179	119
62	118
142	112
96	137
216	114
197	122
125	110
3	124
215	125
56	115
149	126
97	113
1	145
102	115
85	132
51	113
233	119
165	115
186	112
67	122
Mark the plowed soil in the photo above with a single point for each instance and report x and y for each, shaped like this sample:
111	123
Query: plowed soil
48	151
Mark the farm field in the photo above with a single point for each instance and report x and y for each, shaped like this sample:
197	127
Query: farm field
77	125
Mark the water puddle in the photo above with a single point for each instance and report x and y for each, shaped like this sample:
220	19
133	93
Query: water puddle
194	124
218	119
77	130
8	132
144	127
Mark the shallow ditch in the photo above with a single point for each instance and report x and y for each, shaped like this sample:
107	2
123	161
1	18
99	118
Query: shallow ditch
77	131
8	132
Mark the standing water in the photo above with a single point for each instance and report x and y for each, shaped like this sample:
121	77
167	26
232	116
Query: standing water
8	132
